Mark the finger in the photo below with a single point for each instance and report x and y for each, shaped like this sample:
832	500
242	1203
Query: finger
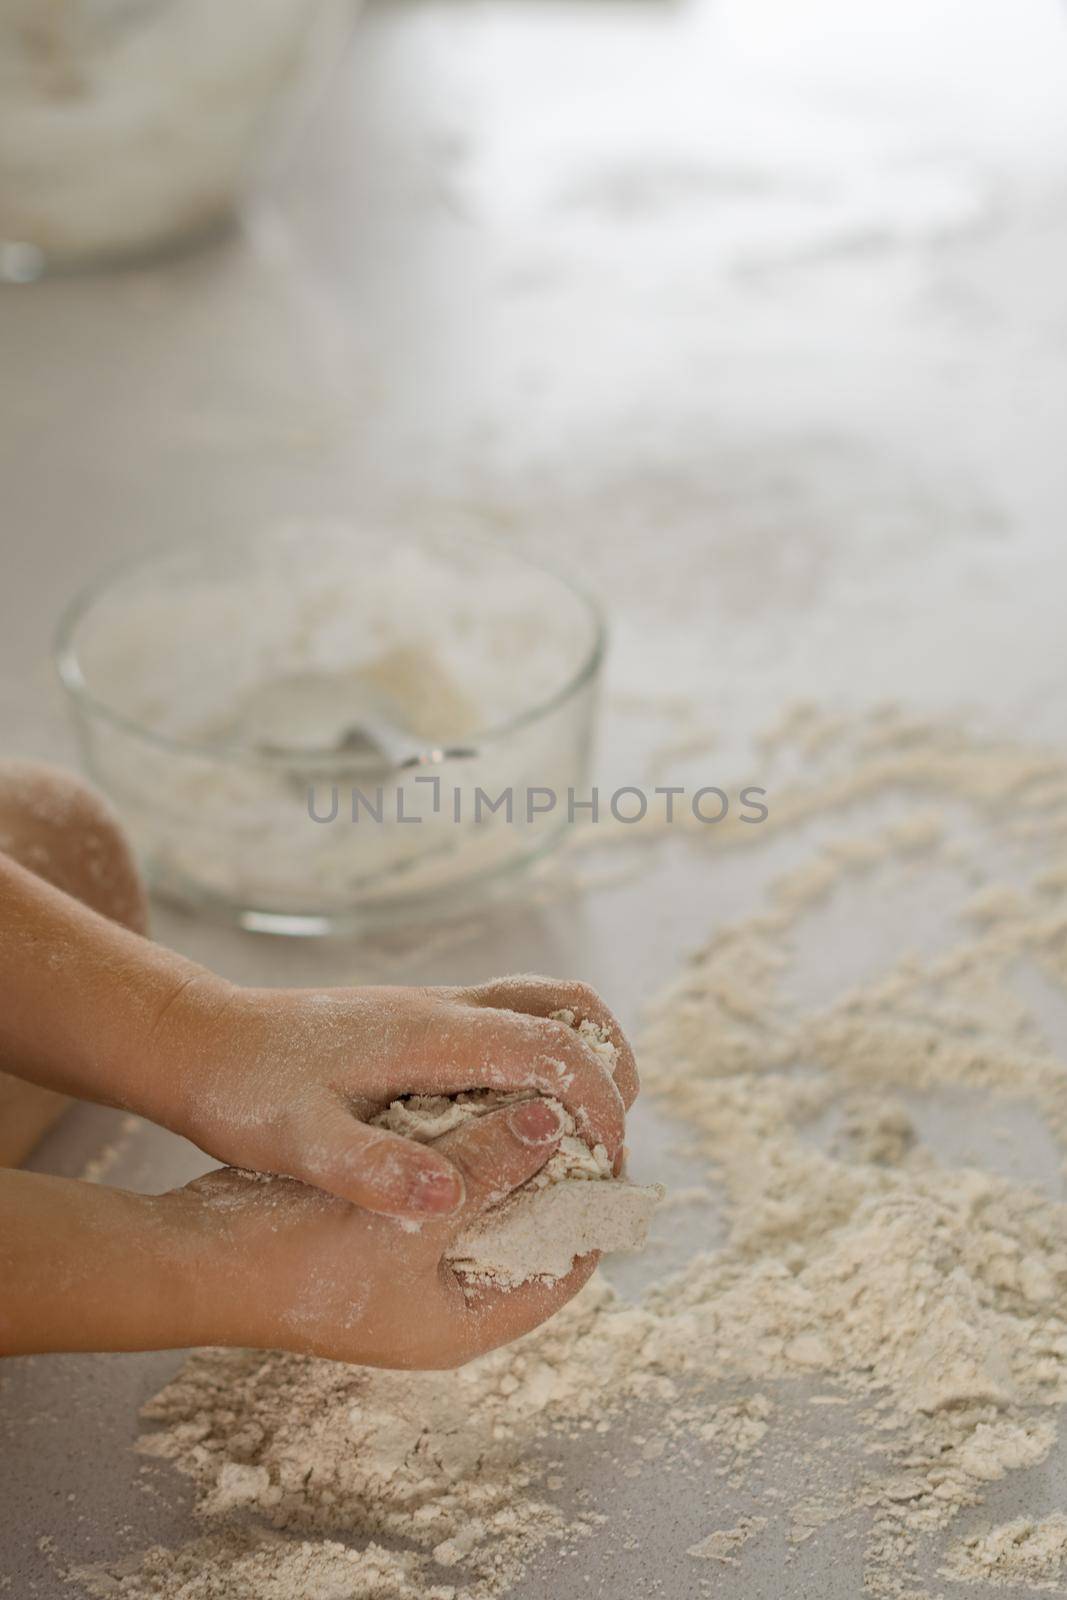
497	1152
540	997
511	1050
493	1317
379	1170
459	1047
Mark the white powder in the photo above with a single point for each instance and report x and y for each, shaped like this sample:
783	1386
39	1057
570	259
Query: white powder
724	1543
1020	1552
916	1304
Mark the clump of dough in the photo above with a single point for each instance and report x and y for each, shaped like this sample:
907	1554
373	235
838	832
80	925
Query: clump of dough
572	1206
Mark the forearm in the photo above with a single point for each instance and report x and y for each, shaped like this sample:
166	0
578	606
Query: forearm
83	1267
83	1000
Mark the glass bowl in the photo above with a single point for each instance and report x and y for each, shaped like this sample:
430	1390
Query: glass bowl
314	727
130	128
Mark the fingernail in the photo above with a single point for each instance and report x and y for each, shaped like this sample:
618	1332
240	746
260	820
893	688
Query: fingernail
436	1190
536	1122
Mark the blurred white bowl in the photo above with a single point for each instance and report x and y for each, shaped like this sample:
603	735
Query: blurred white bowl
131	127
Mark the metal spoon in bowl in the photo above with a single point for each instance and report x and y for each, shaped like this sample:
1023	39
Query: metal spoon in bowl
336	719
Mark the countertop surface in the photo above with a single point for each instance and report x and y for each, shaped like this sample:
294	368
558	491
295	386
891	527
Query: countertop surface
752	316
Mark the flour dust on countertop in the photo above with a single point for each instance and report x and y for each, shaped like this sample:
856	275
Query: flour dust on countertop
871	1340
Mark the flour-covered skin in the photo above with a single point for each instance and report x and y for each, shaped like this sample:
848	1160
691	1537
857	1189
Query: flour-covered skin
343	1248
236	1258
288	1081
307	1272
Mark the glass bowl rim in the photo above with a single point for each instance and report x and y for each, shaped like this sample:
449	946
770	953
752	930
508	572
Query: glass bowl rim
72	677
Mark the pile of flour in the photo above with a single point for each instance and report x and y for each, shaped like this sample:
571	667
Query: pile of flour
876	1332
1025	1551
569	1208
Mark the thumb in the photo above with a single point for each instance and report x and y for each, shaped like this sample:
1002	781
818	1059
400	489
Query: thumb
379	1170
499	1151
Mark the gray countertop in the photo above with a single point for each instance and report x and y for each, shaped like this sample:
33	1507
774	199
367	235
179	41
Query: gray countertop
753	316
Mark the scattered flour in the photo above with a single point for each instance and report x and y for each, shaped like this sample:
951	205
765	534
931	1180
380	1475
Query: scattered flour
1027	1552
724	1543
915	1304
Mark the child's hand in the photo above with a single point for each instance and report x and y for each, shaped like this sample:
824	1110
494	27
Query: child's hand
234	1259
288	1267
283	1081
